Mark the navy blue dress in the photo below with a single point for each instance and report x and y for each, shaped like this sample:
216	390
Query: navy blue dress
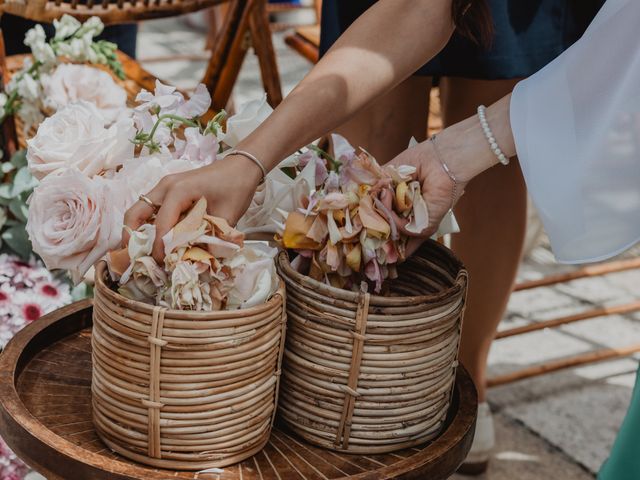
528	35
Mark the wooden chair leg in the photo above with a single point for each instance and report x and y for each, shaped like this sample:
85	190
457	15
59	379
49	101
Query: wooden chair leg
9	140
225	50
263	47
238	49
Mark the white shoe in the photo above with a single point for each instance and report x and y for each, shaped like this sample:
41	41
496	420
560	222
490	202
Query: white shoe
483	444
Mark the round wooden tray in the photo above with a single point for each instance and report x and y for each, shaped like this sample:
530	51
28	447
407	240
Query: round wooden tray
45	417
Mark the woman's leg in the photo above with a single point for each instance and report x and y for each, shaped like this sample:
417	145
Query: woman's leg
492	218
386	126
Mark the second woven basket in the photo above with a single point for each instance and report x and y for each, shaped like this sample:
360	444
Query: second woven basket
373	374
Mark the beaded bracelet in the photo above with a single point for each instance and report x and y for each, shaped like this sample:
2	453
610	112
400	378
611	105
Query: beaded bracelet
482	115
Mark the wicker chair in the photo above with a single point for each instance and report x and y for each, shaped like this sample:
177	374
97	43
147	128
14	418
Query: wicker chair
245	25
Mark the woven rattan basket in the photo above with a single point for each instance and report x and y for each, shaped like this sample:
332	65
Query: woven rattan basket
373	374
184	390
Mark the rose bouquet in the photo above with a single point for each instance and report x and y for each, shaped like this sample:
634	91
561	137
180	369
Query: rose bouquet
90	173
52	78
207	266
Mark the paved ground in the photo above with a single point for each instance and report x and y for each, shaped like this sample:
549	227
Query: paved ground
559	426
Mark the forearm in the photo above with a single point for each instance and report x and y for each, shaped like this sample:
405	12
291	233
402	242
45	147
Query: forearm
381	49
465	148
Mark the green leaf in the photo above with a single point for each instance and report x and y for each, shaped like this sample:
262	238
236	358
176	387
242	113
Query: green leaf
18	241
6	191
7	167
19	209
23	182
19	159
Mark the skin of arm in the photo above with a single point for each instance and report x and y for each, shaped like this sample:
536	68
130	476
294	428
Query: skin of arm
381	49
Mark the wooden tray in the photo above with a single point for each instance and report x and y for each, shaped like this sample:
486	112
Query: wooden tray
45	417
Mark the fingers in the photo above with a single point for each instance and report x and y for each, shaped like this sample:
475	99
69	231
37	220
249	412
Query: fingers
176	201
140	212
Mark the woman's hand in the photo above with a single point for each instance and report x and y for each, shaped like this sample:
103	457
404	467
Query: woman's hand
459	153
439	190
228	185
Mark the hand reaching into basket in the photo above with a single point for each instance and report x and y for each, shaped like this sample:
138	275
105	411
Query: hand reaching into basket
228	186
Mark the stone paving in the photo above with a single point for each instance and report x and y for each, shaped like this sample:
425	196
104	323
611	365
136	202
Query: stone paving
558	426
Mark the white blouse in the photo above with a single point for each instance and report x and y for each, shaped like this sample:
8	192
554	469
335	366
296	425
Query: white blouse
576	125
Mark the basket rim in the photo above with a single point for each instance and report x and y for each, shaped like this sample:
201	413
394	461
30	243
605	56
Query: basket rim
347	295
271	303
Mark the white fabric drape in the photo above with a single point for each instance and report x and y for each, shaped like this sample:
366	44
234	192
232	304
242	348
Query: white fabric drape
576	125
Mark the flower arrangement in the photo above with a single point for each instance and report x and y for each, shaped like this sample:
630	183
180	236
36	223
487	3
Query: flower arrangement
340	213
47	82
90	174
11	467
27	291
207	266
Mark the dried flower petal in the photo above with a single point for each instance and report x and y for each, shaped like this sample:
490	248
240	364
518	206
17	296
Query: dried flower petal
296	231
376	225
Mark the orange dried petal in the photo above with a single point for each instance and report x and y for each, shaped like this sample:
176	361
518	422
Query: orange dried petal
119	261
296	230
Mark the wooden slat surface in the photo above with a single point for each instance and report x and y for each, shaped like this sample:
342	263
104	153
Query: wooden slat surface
45	416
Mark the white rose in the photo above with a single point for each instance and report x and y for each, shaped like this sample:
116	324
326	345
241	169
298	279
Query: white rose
250	116
70	83
76	137
254	273
74	220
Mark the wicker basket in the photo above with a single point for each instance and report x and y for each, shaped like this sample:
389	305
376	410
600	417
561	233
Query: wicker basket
373	374
184	390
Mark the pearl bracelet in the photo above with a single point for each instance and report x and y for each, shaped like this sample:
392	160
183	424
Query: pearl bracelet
482	115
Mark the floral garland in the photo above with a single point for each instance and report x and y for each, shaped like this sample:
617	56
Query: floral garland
74	42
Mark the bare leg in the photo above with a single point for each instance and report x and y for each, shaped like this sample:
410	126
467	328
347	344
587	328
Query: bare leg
386	126
492	217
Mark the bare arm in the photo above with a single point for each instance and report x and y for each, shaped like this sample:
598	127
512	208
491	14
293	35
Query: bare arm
381	49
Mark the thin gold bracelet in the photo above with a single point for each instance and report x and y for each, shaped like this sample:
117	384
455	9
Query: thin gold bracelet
253	159
445	167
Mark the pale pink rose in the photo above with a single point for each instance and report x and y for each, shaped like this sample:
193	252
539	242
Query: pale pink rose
75	136
254	273
70	83
74	220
